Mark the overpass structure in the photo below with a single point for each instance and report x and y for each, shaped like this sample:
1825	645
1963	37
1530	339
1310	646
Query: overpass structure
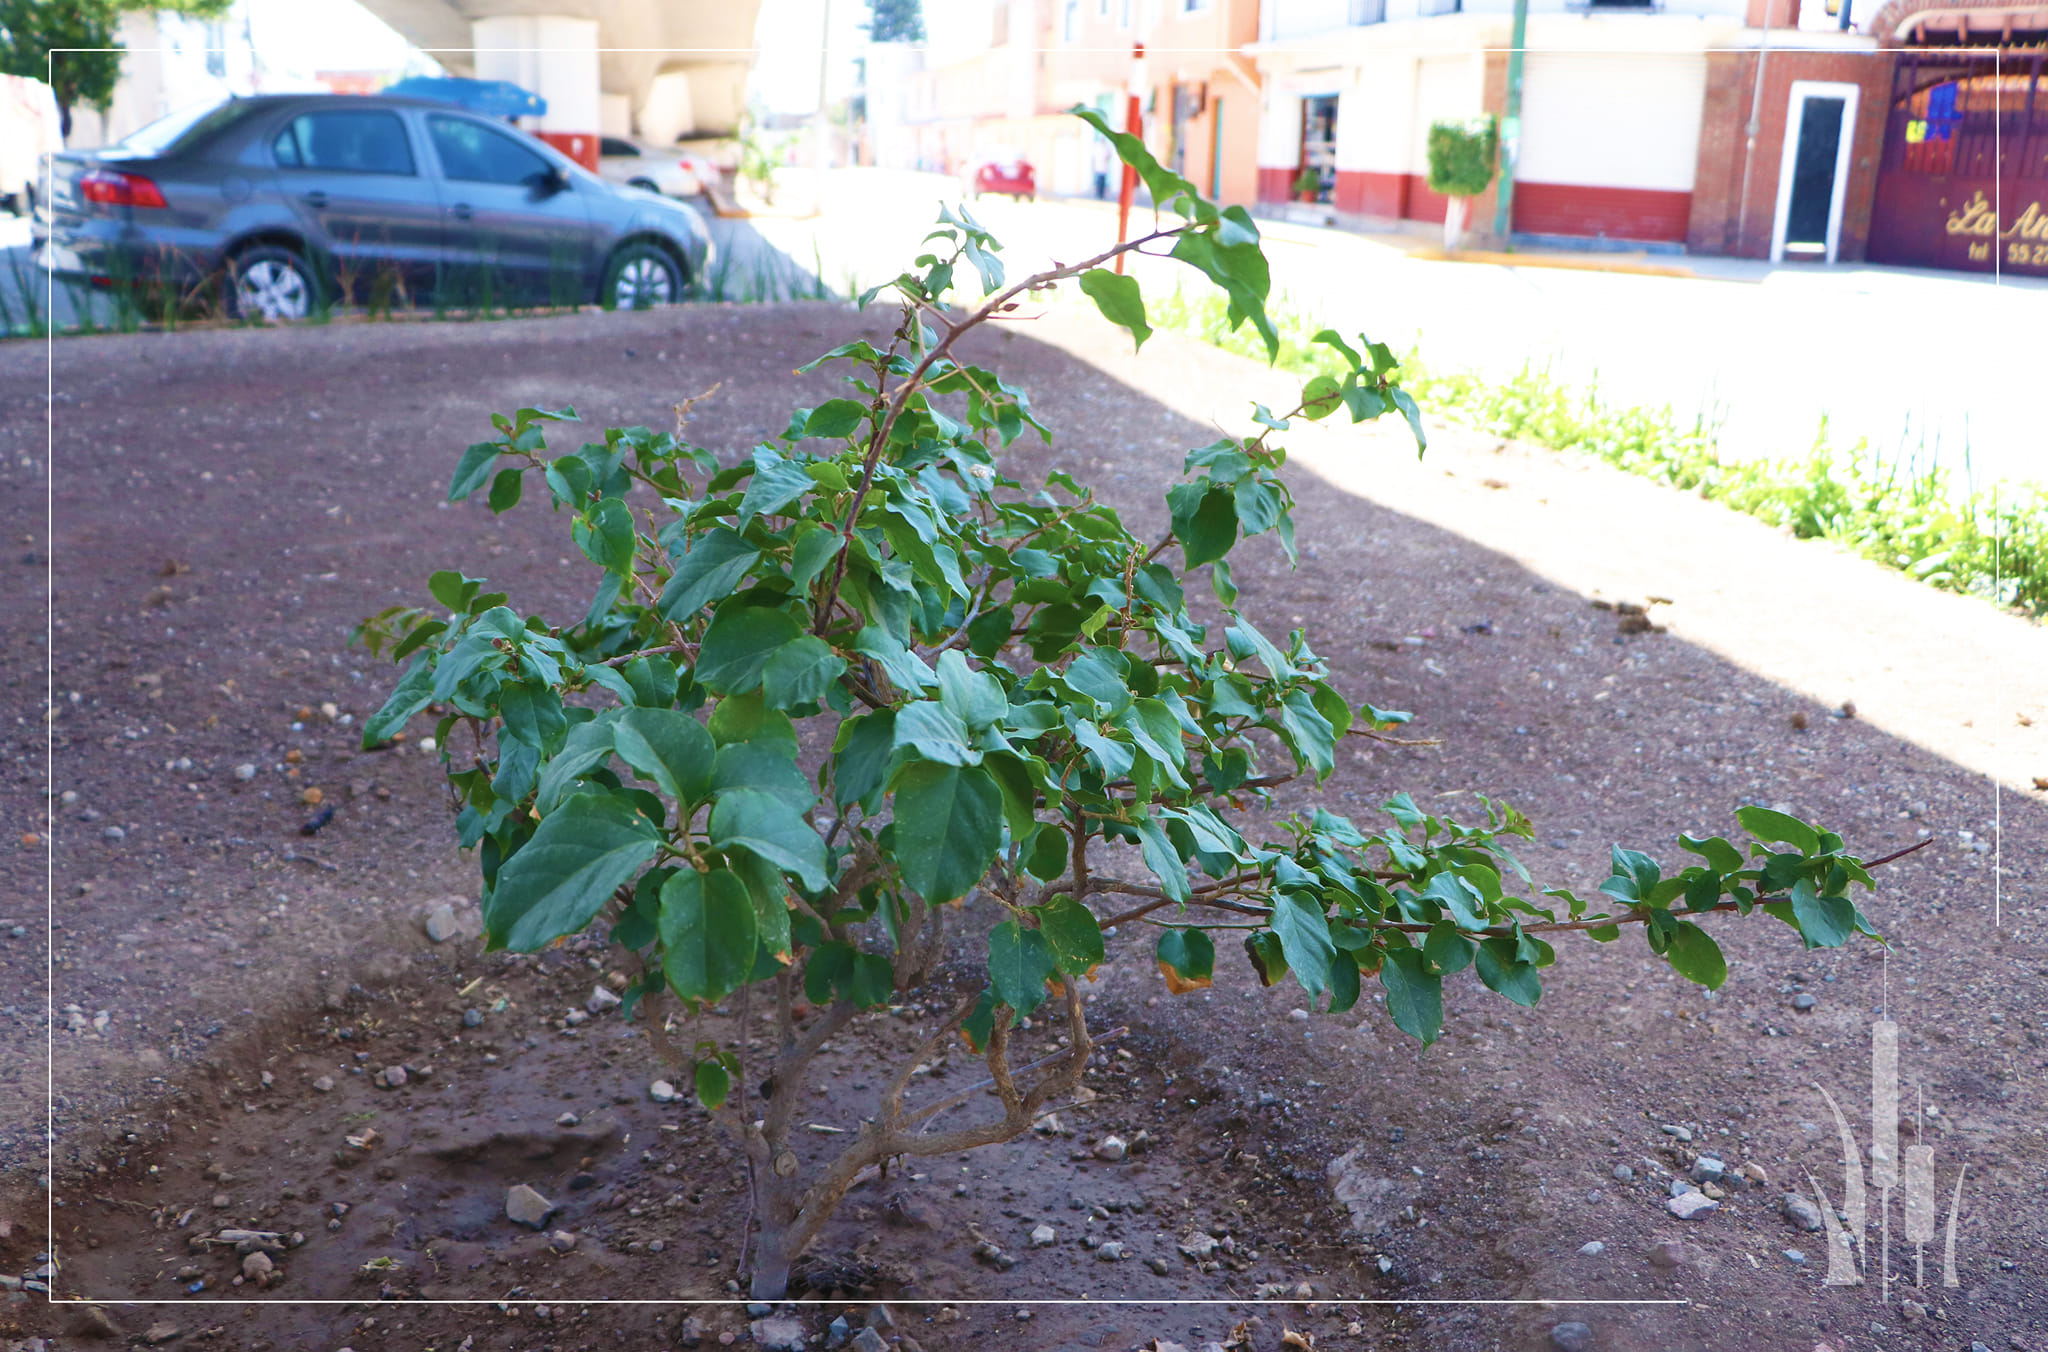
661	70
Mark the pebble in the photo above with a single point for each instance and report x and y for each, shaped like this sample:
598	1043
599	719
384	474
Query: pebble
1298	1015
562	1241
867	1340
391	1077
1676	1132
221	1201
601	999
245	772
568	1120
472	1018
160	1333
1111	1148
1624	1174
661	1091
778	1333
524	1206
324	1085
1912	1310
1795	1255
1572	1337
1803	1002
1669	1254
1681	1186
1754	1172
114	833
1707	1169
1043	1237
1801	1212
1690	1205
1111	1252
257	1267
1159	1265
880	1318
1592	1249
838	1331
441	923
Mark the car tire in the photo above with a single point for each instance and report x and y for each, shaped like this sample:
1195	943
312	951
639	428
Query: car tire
271	283
641	276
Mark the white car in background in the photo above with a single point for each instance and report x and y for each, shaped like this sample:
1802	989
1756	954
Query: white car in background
670	172
29	130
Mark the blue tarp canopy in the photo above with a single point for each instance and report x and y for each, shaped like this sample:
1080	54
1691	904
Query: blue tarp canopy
493	98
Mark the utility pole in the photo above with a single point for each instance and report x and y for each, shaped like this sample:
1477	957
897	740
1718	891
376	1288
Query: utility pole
1756	126
1134	123
1511	129
818	131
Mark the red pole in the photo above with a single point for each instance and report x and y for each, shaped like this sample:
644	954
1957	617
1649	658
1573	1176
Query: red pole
1134	123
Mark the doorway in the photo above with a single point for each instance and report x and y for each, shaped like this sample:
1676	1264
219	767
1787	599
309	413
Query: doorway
1813	171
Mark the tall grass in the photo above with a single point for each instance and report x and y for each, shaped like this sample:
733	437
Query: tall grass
1991	543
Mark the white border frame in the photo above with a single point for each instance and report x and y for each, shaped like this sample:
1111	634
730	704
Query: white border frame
1795	118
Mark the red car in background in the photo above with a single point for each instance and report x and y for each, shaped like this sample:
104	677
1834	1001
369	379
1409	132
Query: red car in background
1001	171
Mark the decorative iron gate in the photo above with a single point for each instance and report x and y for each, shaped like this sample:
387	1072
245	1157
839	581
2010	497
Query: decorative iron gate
1964	179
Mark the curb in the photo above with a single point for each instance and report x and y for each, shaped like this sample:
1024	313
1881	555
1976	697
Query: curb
1433	254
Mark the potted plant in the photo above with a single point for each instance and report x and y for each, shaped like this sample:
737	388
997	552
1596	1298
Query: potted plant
1462	155
1308	184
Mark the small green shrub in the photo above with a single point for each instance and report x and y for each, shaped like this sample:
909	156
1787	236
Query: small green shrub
1462	155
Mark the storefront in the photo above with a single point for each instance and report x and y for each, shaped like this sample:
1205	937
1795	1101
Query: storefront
1964	179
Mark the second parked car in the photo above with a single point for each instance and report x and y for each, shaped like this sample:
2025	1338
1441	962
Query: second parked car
292	201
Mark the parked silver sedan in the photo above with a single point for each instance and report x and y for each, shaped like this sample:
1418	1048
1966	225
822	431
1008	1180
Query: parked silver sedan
291	202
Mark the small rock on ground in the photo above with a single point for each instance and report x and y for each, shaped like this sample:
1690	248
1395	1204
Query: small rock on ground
1690	1205
778	1333
661	1091
1801	1212
1592	1248
867	1340
524	1206
1043	1236
1571	1337
1111	1148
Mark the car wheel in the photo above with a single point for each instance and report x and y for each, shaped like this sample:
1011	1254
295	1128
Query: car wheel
642	276
270	283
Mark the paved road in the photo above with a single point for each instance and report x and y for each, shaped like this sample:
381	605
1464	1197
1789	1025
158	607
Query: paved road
748	268
1935	365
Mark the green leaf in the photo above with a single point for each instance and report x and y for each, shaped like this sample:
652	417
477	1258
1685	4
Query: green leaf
1825	922
757	821
934	732
1415	998
1505	973
835	418
667	746
975	696
1204	520
472	469
776	484
1046	859
1721	856
744	718
948	827
414	692
505	489
1187	959
713	1084
1120	301
738	644
610	539
1073	932
1344	990
758	765
1020	962
1268	956
707	933
588	746
860	759
712	569
562	877
1305	939
800	672
1446	948
1768	826
1694	955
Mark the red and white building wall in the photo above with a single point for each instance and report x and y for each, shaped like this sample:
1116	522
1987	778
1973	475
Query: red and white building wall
1627	119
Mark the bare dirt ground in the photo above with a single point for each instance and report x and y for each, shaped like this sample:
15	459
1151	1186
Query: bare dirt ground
226	506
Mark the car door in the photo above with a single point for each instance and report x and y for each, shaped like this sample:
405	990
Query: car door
515	224
354	178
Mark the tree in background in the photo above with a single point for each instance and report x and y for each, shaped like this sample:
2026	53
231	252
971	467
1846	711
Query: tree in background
31	29
1462	155
895	21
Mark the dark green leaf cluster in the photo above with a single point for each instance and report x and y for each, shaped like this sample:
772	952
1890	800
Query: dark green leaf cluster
824	688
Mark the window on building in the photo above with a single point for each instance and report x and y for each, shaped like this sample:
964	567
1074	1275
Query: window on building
355	143
474	153
1193	6
1123	19
1070	21
1368	11
216	49
1102	9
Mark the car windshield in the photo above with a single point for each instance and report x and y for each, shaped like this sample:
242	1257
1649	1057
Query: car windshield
187	124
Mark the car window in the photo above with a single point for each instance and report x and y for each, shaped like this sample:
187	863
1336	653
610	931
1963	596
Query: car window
474	153
612	145
182	128
353	142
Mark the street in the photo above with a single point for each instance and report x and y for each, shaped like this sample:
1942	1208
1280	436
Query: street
1938	366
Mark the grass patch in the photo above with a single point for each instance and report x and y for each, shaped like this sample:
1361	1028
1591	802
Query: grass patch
1987	543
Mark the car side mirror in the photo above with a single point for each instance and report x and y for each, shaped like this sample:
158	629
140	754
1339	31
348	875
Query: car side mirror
552	182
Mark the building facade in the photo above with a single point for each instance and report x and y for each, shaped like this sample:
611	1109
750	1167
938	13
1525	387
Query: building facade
1755	128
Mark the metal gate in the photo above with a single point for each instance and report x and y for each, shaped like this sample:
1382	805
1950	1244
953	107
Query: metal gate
1964	179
